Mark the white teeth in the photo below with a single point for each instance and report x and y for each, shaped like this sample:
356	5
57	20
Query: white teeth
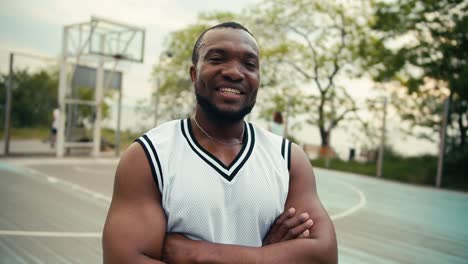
229	90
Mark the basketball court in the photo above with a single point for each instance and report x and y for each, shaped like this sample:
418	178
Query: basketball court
53	211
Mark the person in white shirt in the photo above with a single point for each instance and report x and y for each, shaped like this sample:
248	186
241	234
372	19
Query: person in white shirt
54	126
213	188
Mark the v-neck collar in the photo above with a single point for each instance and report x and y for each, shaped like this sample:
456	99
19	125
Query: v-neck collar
228	172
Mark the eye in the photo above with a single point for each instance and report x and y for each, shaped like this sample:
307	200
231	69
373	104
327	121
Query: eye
251	64
215	59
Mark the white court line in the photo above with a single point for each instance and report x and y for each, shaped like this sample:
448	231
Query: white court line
72	186
50	234
94	171
54	180
62	161
350	211
362	202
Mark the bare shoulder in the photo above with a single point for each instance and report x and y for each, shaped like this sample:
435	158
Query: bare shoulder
302	185
134	171
302	178
299	157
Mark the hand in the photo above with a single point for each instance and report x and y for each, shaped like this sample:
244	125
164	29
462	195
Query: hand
288	226
177	248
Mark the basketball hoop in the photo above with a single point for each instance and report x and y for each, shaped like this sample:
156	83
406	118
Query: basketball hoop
94	41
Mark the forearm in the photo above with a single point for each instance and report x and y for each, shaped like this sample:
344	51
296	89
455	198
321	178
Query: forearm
207	252
300	251
139	259
292	251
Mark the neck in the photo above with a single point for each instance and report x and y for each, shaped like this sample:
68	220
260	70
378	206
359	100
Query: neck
229	132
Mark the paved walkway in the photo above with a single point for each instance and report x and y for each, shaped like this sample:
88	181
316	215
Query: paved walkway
38	148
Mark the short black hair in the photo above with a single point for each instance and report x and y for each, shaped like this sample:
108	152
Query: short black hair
196	47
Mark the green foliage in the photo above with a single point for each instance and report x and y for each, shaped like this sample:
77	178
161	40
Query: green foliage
416	170
301	42
28	133
309	44
34	96
126	137
434	37
87	94
340	165
423	46
455	170
419	170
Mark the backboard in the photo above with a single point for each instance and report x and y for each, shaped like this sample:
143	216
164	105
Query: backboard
97	42
104	37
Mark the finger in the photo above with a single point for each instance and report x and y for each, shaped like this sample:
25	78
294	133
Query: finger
298	231
290	224
287	214
304	234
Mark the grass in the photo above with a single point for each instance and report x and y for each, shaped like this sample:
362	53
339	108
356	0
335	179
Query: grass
28	133
126	137
340	165
417	170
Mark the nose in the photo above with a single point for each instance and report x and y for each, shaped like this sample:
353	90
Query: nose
233	72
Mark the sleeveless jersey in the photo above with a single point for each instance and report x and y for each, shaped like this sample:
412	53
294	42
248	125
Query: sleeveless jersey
206	200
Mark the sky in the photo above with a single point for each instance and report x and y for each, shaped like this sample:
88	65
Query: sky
35	26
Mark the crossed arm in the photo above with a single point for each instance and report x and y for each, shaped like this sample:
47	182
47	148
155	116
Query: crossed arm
135	227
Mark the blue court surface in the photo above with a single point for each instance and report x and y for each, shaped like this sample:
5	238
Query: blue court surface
53	211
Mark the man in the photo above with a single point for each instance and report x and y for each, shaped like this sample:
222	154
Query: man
209	188
54	126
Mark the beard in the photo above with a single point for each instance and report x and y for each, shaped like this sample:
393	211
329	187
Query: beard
222	116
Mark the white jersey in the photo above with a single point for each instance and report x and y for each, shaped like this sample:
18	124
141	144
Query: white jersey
206	200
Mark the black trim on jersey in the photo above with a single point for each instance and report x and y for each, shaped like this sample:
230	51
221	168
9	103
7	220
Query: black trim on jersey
195	150
244	144
289	155
250	127
286	149
215	159
153	149
148	156
283	143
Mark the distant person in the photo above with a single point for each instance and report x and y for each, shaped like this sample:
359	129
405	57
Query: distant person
54	126
213	188
277	125
352	154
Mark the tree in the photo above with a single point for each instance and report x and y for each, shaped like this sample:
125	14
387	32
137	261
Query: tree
34	97
422	47
312	45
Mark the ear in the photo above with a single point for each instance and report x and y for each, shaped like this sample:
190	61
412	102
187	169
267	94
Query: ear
193	73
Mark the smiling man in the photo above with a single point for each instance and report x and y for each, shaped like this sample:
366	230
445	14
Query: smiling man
213	188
